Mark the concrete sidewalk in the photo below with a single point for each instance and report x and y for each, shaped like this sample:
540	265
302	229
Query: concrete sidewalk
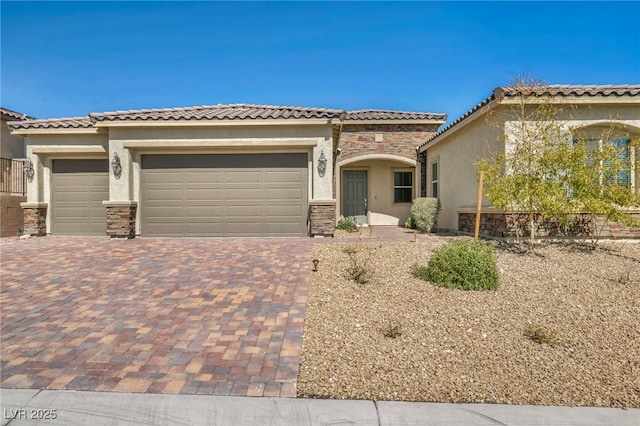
32	407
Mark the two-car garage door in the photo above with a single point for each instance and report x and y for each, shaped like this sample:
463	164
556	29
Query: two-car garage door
224	195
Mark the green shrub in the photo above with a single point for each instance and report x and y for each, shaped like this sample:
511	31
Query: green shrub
410	223
348	224
358	259
541	335
462	264
424	212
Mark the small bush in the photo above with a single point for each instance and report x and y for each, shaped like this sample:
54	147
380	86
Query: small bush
348	224
424	212
462	264
393	331
357	269
410	223
541	335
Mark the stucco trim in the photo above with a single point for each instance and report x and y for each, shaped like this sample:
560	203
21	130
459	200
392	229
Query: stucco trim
119	203
58	131
29	205
321	202
68	149
390	157
614	124
208	143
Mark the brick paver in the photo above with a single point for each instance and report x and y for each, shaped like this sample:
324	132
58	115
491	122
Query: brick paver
214	316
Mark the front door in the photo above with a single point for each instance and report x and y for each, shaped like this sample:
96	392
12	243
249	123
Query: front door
355	194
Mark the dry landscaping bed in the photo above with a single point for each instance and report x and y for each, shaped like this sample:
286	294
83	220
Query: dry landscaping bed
457	346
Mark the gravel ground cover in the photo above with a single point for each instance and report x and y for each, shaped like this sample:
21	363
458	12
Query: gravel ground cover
456	346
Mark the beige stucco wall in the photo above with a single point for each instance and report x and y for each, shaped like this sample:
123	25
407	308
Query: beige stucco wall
11	146
130	143
458	151
43	149
458	178
382	209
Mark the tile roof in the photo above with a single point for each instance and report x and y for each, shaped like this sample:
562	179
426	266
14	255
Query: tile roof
547	90
226	112
12	115
569	90
53	123
263	112
217	112
377	114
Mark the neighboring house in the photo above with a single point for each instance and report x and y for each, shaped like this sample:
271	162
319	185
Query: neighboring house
450	157
222	170
12	180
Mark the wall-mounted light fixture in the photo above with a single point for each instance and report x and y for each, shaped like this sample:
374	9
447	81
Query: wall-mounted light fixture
116	166
28	169
322	164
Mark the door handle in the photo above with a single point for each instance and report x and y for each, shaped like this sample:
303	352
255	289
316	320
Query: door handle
366	206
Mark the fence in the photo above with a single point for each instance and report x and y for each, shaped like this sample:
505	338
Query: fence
12	178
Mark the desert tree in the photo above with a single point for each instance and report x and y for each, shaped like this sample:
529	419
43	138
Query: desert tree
547	170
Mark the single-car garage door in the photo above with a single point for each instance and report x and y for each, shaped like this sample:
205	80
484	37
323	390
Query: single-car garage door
224	195
78	189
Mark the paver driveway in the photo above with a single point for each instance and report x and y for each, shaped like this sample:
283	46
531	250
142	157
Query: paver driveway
218	316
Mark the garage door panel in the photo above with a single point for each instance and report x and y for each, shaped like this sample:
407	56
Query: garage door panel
243	176
284	228
203	177
169	229
224	195
164	195
232	194
238	227
285	194
203	195
165	212
244	211
206	212
160	178
202	228
292	211
294	177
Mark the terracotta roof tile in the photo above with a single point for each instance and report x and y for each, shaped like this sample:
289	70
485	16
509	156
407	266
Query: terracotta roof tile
218	112
12	115
548	90
53	123
376	114
259	112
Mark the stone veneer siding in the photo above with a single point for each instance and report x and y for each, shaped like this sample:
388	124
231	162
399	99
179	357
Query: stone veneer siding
502	225
397	139
121	221
35	221
322	218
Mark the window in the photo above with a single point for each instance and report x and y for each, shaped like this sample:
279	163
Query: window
402	187
434	179
623	153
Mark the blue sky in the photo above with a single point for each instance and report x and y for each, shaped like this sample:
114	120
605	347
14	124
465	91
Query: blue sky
61	59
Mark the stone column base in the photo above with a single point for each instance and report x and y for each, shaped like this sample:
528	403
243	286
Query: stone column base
121	218
35	218
322	217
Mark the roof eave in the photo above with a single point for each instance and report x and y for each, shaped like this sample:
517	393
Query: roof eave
398	121
57	131
209	123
